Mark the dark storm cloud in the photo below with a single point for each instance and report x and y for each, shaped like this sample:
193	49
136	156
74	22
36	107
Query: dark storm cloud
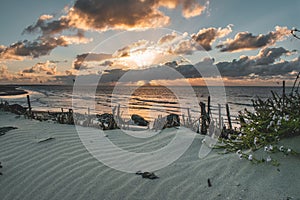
263	64
39	47
248	41
35	49
48	27
101	15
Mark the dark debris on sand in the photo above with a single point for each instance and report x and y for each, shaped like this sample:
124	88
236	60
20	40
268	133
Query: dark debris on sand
148	175
4	130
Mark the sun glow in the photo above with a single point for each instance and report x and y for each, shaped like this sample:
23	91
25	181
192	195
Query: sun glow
143	58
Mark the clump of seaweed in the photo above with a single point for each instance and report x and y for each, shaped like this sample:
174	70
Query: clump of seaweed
273	119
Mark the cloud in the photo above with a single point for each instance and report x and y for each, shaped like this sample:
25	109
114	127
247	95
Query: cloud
140	45
39	47
190	8
169	71
81	60
115	15
167	38
48	27
178	44
10	77
205	37
48	68
269	55
143	53
248	41
200	41
266	64
5	75
185	47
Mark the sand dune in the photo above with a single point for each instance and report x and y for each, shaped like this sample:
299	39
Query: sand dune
62	168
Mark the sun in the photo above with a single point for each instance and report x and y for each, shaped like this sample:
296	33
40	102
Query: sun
143	58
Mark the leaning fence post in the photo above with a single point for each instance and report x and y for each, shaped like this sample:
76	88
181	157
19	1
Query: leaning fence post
228	116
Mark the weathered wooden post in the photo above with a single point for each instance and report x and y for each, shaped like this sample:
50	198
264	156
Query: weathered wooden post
228	116
208	109
29	106
220	117
203	119
89	116
189	118
283	94
294	85
118	118
183	120
70	117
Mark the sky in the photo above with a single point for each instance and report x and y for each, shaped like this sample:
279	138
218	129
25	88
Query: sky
243	42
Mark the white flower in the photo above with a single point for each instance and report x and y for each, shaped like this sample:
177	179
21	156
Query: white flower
270	147
266	148
281	148
279	123
286	118
252	129
250	157
240	156
255	141
271	124
289	150
269	159
240	135
238	152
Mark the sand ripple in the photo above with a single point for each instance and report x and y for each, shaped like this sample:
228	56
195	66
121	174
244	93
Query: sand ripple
63	169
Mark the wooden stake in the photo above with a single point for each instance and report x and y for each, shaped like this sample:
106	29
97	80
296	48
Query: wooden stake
283	94
189	117
228	116
29	106
203	119
220	117
208	109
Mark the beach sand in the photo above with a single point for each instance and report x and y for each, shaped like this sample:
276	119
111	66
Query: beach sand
62	168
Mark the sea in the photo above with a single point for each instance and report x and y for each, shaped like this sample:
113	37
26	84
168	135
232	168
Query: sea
147	101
